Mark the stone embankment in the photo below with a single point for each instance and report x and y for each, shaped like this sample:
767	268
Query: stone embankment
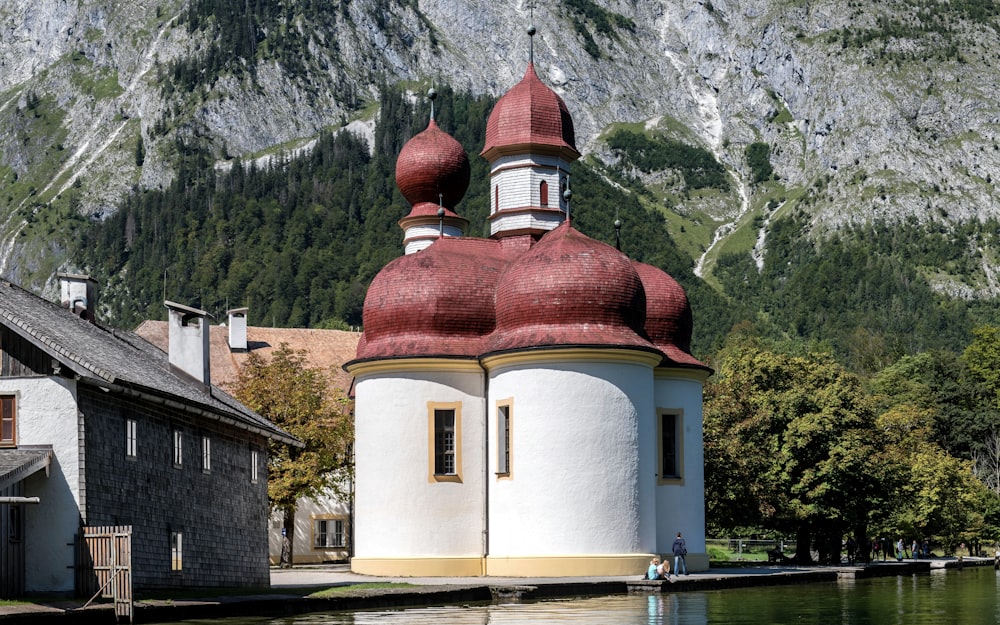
291	590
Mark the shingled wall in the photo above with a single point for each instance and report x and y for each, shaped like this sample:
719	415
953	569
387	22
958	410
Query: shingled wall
222	513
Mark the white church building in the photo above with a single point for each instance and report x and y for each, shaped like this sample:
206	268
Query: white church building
526	404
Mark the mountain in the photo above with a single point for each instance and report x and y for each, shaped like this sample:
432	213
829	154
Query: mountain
768	133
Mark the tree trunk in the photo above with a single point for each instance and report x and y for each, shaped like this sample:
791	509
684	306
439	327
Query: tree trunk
803	544
287	537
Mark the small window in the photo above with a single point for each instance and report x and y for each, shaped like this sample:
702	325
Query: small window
131	433
254	463
328	533
178	448
444	442
503	439
176	551
206	454
670	450
543	193
8	421
496	198
445	432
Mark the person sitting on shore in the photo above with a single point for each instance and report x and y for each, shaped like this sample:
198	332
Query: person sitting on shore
652	572
663	571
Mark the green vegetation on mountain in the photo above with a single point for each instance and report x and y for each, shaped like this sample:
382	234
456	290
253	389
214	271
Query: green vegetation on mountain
697	166
586	15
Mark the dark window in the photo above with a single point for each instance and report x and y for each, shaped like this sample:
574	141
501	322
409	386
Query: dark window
503	440
444	442
668	446
543	193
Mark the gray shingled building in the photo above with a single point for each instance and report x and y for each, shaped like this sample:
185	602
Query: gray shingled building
103	434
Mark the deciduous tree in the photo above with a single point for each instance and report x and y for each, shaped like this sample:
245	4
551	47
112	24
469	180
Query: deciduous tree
301	400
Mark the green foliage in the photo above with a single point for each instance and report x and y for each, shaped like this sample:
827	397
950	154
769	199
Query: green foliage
698	166
759	160
586	14
865	277
939	28
301	400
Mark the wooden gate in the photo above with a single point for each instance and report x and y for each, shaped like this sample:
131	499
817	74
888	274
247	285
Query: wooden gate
104	566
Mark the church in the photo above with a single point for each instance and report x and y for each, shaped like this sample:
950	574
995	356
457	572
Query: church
525	404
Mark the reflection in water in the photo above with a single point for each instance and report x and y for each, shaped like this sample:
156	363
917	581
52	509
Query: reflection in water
966	597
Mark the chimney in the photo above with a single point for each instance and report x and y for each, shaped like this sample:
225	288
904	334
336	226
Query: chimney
78	293
238	329
188	346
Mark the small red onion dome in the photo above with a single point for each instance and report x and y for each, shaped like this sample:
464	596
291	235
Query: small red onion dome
530	114
668	315
570	290
435	303
432	163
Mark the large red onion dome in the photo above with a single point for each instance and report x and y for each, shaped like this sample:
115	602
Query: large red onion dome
668	314
432	163
570	290
436	303
530	114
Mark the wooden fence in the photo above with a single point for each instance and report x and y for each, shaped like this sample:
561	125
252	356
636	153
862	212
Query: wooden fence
104	566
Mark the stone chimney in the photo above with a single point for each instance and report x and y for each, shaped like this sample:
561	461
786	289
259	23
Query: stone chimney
78	293
238	329
188	345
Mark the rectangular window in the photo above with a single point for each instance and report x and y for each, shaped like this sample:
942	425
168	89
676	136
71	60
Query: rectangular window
131	433
254	462
176	551
445	441
178	448
206	454
503	439
8	421
328	533
670	448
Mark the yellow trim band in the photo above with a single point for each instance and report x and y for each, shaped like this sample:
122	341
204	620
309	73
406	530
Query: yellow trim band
373	367
595	565
573	354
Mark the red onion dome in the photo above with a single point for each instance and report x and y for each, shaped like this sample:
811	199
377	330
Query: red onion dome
530	114
435	303
432	163
668	314
570	290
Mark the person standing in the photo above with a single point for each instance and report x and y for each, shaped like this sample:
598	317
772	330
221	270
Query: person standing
680	550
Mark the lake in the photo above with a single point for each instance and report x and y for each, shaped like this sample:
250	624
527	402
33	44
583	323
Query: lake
951	597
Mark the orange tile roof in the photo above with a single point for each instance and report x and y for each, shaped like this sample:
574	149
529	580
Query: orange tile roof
324	349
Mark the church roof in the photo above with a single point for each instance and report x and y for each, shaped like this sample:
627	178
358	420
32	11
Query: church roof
432	170
530	114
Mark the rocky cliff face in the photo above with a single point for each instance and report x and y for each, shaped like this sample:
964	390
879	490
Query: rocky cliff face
871	110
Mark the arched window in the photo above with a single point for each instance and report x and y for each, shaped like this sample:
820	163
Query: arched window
543	193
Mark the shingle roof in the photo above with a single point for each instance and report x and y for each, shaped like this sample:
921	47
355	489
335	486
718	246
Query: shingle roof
17	464
106	356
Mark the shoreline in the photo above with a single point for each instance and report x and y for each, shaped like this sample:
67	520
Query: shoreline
301	581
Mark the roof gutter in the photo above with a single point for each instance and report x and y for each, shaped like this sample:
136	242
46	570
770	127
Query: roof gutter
208	414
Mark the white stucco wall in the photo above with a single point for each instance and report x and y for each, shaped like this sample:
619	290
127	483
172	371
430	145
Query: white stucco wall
582	470
399	511
47	415
681	507
326	506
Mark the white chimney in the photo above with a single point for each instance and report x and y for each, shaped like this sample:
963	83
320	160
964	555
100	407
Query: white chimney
78	293
238	329
188	345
